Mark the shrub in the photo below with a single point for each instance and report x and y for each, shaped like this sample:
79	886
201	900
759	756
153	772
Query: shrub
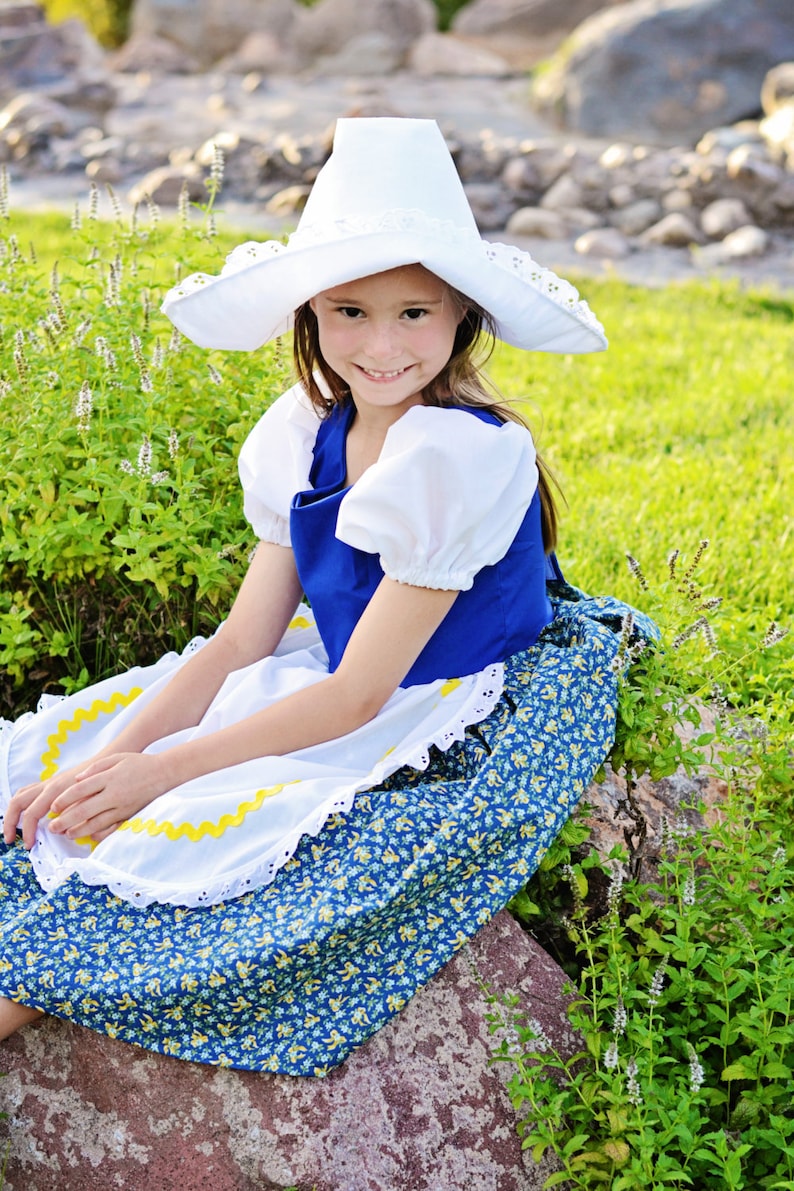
121	532
683	983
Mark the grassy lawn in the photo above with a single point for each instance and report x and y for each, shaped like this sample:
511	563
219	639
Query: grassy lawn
121	533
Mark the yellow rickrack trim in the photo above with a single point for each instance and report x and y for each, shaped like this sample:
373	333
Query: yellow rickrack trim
194	834
300	622
449	686
49	758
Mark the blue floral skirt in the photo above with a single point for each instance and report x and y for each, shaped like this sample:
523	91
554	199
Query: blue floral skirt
293	976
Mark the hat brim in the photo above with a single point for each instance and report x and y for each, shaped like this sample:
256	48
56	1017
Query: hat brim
251	303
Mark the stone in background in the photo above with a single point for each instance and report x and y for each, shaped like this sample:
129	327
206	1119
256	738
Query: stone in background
666	70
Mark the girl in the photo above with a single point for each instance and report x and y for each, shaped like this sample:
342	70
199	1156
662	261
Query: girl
250	854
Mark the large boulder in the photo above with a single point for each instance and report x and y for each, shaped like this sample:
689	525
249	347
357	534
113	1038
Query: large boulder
666	70
209	29
419	1106
523	31
326	30
63	61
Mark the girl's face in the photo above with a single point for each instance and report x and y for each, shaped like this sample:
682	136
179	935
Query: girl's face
388	335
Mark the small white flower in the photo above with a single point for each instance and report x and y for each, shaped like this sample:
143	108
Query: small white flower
542	1040
614	893
620	1019
83	407
657	983
696	1073
633	1089
145	457
688	894
611	1056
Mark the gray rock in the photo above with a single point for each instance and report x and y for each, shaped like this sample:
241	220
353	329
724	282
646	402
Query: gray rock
782	197
565	192
29	111
723	216
778	87
419	1106
745	242
729	137
259	52
210	29
750	164
289	201
370	53
636	217
666	70
677	200
778	132
443	54
164	186
537	222
152	52
490	205
675	230
622	195
523	31
36	55
106	171
326	29
606	243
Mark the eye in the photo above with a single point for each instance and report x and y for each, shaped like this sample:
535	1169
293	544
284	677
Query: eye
414	313
350	311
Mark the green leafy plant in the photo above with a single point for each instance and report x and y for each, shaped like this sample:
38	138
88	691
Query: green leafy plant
683	982
121	532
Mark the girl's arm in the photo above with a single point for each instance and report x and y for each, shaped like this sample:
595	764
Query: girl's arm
263	608
265	603
397	624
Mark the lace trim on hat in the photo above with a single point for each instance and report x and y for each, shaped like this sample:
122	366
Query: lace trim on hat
503	256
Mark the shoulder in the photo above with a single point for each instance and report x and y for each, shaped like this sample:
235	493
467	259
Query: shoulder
445	498
275	461
460	435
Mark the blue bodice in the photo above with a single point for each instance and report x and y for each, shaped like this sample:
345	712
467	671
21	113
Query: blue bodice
502	613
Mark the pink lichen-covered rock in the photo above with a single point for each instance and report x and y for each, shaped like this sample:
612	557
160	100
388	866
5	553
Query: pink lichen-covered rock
420	1106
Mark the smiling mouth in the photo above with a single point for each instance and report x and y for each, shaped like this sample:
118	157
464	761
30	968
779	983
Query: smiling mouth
374	375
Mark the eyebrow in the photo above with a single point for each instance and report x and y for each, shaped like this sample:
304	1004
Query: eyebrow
352	300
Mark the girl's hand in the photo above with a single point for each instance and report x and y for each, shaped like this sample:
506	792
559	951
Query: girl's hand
32	803
90	800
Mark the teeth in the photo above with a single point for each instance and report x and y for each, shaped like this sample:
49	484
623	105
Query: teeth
382	375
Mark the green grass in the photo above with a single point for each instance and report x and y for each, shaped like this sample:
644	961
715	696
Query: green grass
683	430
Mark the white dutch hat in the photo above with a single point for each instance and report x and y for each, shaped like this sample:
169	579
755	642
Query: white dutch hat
389	195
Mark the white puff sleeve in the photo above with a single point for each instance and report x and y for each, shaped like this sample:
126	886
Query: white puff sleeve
445	499
275	461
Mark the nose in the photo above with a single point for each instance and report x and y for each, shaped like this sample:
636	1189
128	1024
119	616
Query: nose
383	341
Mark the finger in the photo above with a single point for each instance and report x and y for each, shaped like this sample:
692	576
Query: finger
80	788
36	798
98	835
17	805
97	824
31	817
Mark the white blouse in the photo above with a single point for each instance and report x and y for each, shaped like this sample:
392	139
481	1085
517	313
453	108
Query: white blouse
445	498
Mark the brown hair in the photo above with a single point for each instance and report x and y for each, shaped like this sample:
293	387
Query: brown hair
460	382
